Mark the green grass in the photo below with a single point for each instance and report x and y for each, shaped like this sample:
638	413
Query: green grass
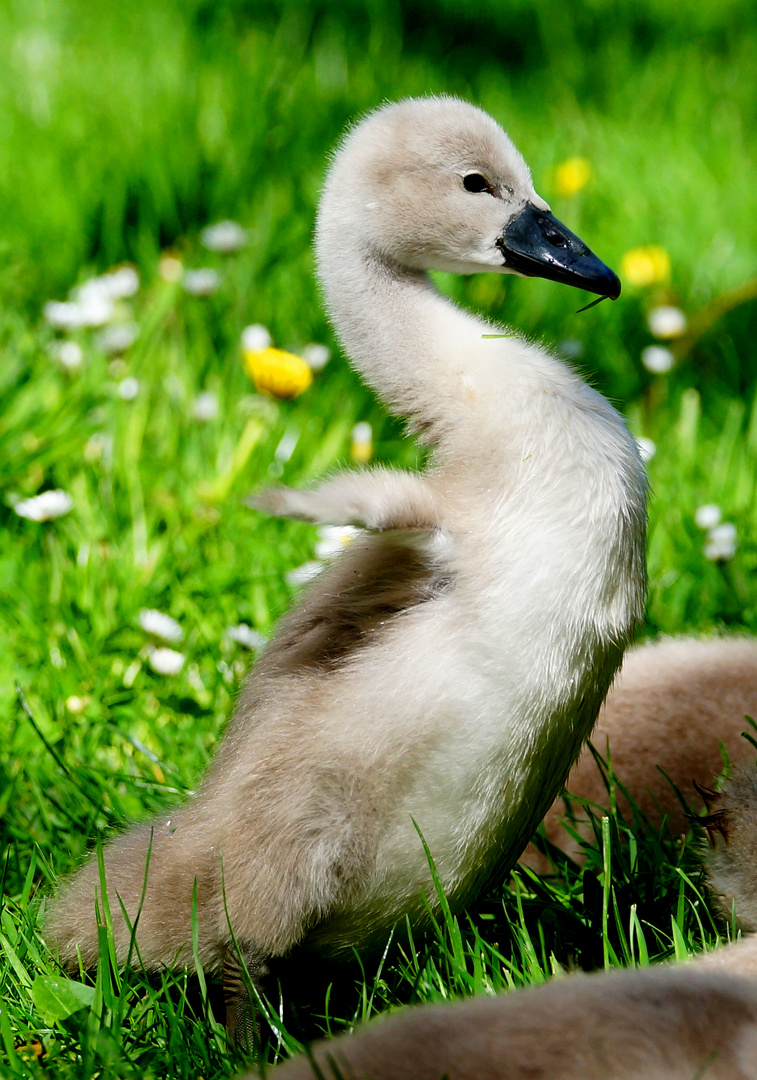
124	130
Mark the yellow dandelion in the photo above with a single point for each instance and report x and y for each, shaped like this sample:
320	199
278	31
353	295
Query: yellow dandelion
277	372
643	266
572	176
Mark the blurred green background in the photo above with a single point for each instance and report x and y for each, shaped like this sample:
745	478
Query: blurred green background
125	129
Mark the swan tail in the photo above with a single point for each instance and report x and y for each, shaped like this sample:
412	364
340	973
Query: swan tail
155	892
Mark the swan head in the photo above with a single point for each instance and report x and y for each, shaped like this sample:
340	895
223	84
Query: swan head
436	184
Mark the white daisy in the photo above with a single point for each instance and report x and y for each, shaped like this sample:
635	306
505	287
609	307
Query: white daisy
95	302
63	314
666	321
657	359
202	282
301	575
708	516
316	356
46	506
332	539
246	636
362	432
67	353
121	283
721	542
160	625
647	448
128	388
256	337
224	237
117	338
166	661
205	407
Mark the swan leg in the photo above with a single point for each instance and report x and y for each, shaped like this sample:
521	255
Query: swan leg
243	964
378	499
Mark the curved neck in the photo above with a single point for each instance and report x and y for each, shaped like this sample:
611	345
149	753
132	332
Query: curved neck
417	350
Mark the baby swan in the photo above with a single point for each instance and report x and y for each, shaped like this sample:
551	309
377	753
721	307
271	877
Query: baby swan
666	1022
657	1023
443	674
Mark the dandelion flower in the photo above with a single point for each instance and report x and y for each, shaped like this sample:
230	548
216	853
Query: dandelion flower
225	237
160	625
128	388
246	636
205	407
45	507
708	516
647	448
666	321
166	661
643	266
361	443
301	575
332	539
657	359
256	337
721	542
202	282
316	356
572	176
277	372
67	353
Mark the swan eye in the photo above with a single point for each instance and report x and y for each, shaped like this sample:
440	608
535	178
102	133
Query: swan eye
476	182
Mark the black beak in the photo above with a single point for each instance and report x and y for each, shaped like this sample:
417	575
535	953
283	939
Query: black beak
536	244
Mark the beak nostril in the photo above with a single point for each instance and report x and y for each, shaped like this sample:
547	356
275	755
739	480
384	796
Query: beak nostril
555	238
